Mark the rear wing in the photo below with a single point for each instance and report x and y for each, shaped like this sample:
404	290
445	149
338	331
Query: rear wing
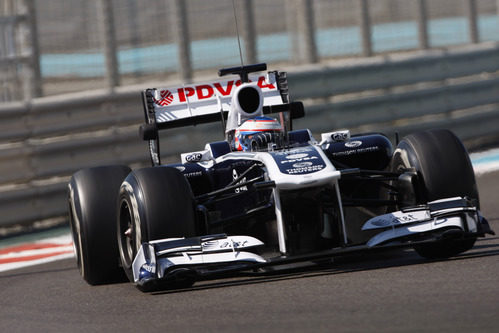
199	103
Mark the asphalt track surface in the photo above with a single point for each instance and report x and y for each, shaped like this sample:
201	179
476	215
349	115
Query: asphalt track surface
390	292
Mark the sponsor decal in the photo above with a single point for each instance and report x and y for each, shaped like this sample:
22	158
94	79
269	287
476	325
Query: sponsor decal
166	98
180	168
284	154
296	156
206	91
224	244
153	150
405	218
155	158
213	244
242	188
440	221
305	169
356	151
305	158
149	268
299	161
196	157
353	144
231	243
391	220
193	174
302	164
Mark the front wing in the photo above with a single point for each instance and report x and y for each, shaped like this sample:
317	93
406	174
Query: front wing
176	259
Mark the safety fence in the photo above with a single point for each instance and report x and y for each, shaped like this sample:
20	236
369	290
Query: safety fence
60	46
44	141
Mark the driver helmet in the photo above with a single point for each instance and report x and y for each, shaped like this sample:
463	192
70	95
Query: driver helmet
257	133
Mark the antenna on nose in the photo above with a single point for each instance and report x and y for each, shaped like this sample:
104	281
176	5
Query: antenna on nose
242	70
237	33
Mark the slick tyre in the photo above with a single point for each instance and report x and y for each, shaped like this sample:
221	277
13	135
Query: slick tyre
154	203
92	198
444	170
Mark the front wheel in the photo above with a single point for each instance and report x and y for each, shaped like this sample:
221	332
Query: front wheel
154	203
444	170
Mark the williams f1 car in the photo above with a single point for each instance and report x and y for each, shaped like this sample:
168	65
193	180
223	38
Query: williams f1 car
266	195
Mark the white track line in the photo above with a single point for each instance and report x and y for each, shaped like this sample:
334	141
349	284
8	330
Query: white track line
45	250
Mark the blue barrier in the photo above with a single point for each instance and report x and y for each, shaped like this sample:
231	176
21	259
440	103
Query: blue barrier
219	52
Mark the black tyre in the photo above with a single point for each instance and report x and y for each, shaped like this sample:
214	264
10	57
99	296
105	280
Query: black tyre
154	203
444	170
92	198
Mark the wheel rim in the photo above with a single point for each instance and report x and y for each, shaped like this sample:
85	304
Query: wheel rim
129	235
75	232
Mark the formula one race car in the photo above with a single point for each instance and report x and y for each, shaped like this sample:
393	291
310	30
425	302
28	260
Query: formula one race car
267	195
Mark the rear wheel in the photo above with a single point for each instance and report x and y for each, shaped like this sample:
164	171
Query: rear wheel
92	198
444	170
154	203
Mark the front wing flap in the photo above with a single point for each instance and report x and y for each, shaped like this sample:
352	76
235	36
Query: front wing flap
165	258
457	214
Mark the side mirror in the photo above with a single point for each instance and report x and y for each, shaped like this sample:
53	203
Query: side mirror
337	136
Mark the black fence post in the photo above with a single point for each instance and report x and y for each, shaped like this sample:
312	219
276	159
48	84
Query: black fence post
109	44
248	32
472	21
422	17
181	28
365	28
